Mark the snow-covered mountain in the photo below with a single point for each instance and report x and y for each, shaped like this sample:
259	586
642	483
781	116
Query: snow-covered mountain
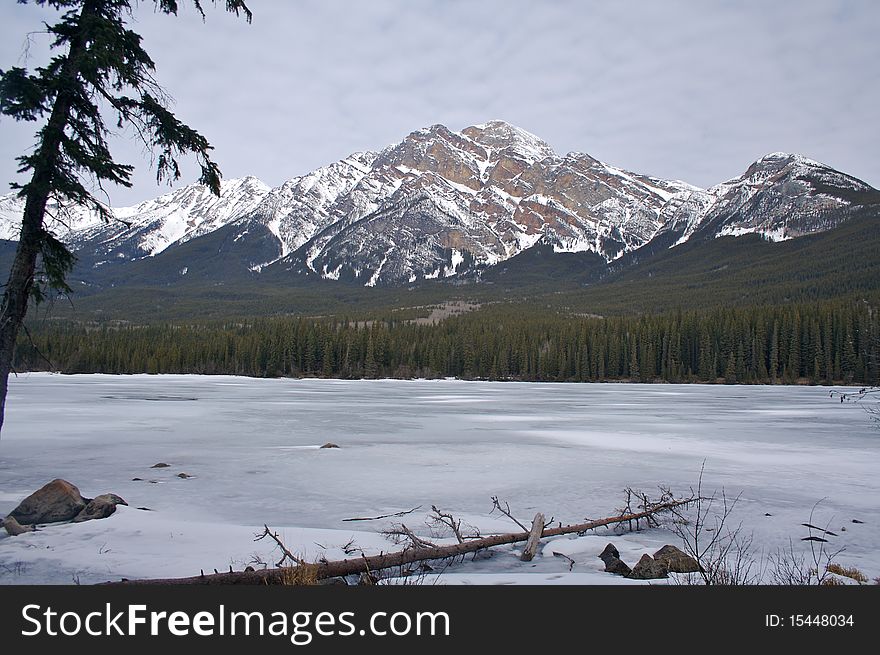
149	228
441	203
781	196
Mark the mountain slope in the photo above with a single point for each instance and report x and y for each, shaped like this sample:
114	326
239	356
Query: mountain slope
780	196
445	205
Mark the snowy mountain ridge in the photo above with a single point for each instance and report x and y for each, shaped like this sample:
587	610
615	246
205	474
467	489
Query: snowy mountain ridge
441	203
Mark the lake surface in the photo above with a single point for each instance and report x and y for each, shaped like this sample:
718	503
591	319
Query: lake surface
568	450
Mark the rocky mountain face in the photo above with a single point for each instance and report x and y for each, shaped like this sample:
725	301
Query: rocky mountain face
441	204
781	196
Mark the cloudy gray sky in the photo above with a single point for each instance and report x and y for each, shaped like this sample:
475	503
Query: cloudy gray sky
686	89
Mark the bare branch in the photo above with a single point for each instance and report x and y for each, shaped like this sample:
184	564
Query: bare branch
286	554
571	562
400	534
439	518
496	505
383	516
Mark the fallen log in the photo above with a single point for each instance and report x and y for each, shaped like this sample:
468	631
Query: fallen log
534	538
366	564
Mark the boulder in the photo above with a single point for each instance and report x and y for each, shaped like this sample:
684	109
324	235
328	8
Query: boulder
613	563
676	560
329	444
14	528
99	508
648	568
610	551
55	502
160	465
617	566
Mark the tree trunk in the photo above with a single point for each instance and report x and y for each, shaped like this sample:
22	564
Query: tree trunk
345	567
37	193
534	538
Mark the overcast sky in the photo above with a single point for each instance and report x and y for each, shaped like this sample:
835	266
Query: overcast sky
693	90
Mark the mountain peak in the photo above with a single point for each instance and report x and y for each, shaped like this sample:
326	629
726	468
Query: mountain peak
435	129
498	134
785	158
775	165
247	182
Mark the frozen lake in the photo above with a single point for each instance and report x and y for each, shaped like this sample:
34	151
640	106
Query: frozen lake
565	449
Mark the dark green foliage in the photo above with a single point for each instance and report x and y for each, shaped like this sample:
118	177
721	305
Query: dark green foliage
498	342
57	263
100	63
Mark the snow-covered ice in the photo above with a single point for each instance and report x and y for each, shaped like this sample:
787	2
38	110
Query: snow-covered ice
568	450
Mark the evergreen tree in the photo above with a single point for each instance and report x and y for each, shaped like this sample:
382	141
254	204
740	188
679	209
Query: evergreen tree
773	365
100	64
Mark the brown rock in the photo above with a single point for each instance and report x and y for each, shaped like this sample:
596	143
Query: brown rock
14	528
610	551
329	444
99	508
648	568
617	566
55	502
676	560
613	563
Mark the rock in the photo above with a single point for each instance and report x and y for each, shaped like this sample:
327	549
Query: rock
648	568
184	476
160	465
137	479
14	528
55	502
610	551
329	444
617	566
99	508
676	560
613	563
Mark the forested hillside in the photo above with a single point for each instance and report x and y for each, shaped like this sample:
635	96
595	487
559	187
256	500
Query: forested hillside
820	342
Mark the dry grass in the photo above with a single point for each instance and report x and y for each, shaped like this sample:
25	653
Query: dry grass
300	575
847	572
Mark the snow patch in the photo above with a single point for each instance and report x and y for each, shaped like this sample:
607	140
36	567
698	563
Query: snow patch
375	277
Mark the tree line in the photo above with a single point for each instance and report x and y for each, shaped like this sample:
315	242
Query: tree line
821	342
